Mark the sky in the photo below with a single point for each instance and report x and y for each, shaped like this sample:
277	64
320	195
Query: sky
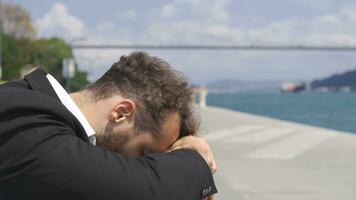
202	22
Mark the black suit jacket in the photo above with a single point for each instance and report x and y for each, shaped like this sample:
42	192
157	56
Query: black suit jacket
45	154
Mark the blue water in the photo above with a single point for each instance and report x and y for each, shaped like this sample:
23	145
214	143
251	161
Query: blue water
329	110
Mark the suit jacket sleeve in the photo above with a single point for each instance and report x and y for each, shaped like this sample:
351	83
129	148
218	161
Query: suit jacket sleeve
96	173
92	172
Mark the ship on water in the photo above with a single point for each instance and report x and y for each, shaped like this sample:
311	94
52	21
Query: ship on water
290	87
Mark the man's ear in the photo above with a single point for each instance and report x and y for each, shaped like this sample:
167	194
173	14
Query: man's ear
124	110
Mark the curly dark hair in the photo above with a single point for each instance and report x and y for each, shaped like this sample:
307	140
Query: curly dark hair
154	86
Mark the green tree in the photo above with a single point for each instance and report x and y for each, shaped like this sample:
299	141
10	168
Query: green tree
79	81
45	53
49	53
19	48
13	57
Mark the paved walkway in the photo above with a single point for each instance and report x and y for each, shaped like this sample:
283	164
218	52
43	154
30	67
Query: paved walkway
263	158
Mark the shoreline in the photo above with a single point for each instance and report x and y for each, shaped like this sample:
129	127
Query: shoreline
265	117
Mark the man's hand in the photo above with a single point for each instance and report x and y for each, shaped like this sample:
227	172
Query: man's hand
198	144
209	198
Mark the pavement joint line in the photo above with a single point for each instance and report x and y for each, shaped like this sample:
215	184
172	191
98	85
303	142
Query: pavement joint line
224	133
290	147
262	136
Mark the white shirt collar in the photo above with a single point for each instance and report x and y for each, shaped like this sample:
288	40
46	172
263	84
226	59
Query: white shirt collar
68	102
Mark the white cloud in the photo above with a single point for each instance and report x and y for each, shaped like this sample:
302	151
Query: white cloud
194	21
58	21
210	23
331	29
168	10
97	62
129	14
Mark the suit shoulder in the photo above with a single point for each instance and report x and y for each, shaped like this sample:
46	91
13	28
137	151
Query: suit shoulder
17	97
23	107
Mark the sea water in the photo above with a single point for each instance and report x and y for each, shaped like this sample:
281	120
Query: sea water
329	110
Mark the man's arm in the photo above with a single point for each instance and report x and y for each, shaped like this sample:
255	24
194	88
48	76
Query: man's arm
199	145
97	173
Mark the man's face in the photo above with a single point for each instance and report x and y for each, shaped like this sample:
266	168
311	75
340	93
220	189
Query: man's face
123	139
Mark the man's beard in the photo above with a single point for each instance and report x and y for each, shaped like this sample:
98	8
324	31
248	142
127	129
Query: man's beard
113	141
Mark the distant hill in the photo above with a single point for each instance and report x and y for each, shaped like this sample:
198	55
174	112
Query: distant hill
232	85
347	79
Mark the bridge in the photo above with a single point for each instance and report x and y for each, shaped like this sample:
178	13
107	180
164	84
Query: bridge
216	47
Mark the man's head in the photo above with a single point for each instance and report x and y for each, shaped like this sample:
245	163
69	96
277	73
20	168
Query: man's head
140	105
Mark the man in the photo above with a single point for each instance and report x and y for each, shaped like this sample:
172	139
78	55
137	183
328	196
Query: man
139	108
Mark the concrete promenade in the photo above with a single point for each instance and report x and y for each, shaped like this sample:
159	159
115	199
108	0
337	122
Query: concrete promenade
261	158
